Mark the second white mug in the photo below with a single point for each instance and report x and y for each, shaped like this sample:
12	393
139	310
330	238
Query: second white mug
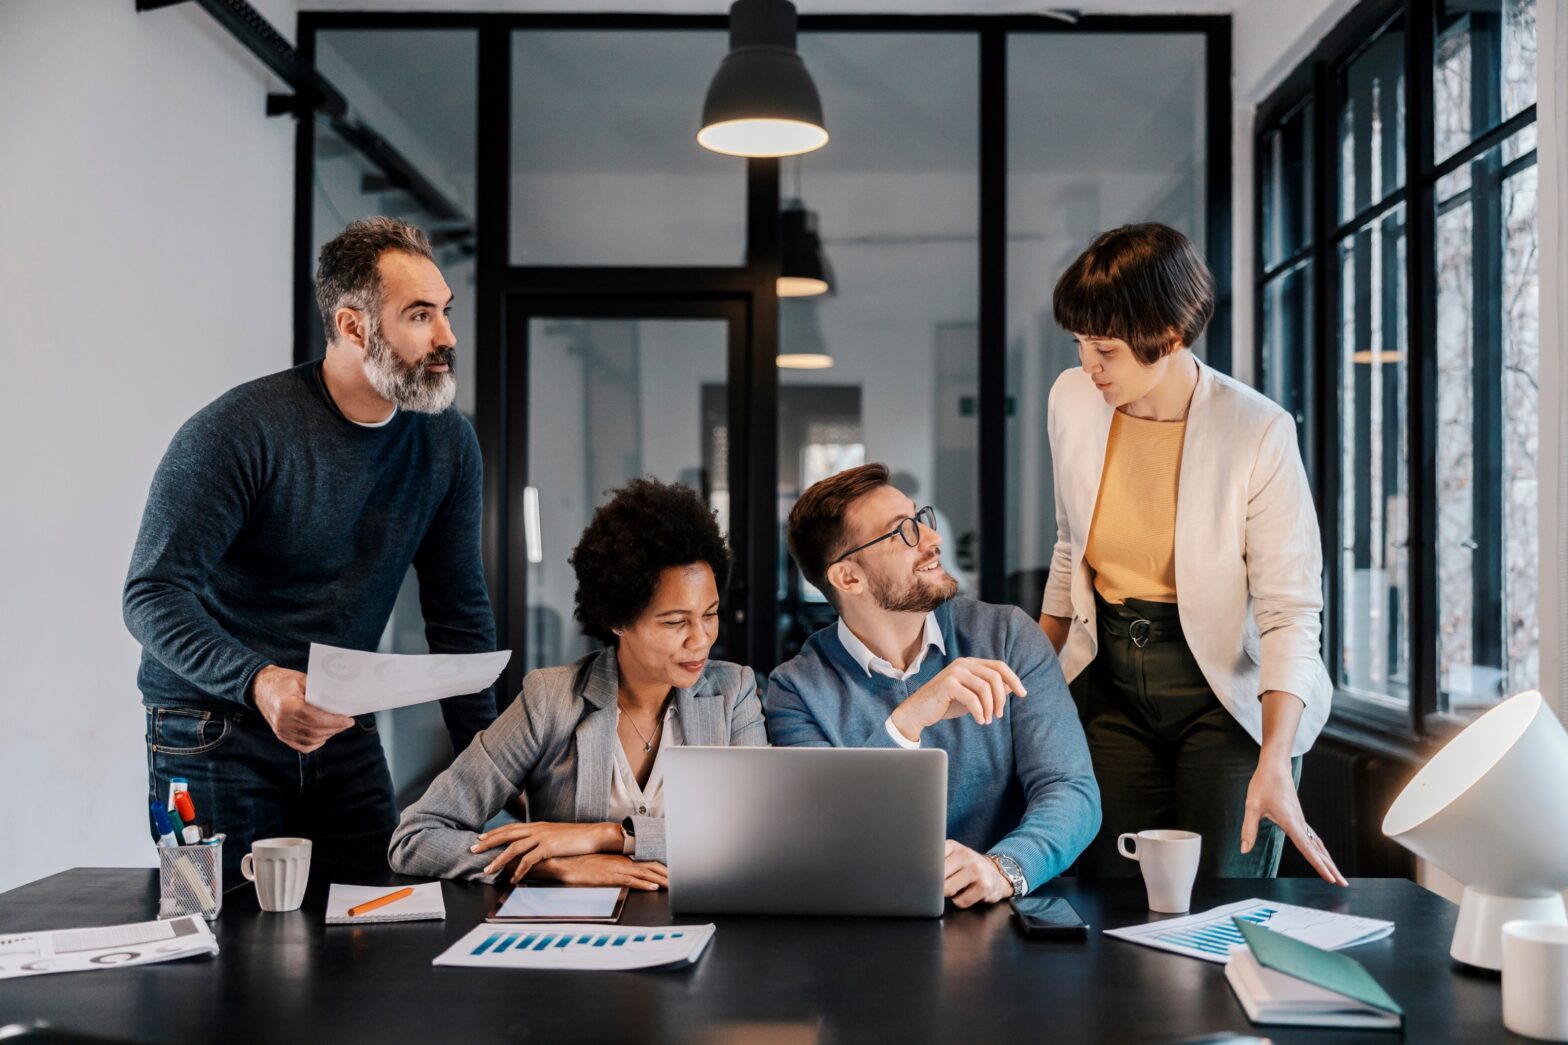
280	867
1169	861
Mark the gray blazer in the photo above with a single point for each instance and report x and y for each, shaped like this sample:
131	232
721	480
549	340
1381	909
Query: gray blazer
556	744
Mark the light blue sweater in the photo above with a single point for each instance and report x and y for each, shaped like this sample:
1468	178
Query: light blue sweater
1022	786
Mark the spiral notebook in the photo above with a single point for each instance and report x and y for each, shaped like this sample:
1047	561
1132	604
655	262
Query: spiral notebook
424	905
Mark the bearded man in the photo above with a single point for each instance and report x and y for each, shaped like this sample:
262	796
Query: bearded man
288	512
908	665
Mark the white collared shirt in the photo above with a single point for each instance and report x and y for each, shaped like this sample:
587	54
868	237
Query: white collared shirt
870	662
626	798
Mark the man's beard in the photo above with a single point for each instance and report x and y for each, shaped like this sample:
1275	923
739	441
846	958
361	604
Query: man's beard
412	386
918	594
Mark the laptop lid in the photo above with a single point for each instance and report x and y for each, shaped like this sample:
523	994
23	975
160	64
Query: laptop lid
821	831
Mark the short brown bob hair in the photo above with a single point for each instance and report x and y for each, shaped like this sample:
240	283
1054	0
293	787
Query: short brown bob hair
816	523
1146	285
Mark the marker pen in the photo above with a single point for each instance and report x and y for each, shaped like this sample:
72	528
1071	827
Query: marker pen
176	785
187	810
160	824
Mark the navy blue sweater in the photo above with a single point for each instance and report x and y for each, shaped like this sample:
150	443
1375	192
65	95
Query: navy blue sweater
1022	785
274	522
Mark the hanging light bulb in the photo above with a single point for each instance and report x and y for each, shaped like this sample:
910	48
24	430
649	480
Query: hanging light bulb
762	101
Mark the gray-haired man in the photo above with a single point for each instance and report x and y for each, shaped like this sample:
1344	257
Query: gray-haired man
288	512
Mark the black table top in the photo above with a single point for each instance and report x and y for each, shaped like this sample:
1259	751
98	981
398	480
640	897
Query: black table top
969	976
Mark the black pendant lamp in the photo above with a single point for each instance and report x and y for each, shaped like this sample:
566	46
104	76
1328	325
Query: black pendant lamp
762	101
803	266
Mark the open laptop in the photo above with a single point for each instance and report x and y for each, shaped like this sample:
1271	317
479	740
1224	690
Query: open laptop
805	830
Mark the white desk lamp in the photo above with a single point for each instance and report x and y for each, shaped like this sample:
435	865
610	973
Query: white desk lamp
1491	809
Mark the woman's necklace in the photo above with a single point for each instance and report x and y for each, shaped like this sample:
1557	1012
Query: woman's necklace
647	741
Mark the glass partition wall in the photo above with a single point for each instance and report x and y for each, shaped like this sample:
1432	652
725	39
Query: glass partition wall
617	284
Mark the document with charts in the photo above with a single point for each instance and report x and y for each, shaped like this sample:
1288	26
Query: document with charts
585	947
352	682
1211	935
104	947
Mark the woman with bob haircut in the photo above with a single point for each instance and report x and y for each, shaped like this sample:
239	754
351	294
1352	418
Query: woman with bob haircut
583	741
1186	583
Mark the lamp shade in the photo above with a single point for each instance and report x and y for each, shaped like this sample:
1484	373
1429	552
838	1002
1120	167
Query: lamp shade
803	266
800	337
1491	809
762	101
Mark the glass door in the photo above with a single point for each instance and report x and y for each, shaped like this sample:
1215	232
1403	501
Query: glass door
602	391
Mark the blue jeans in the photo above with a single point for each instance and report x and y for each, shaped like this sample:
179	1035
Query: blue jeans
247	783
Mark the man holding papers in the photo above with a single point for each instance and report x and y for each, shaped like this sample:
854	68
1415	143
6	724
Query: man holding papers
288	512
908	665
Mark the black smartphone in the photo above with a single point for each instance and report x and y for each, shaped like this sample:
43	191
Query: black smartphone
1049	917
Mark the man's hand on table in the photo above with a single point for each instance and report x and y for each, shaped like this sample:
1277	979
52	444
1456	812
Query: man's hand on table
972	877
279	695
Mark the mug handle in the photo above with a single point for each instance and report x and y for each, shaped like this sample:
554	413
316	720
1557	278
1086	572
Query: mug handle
247	867
1121	847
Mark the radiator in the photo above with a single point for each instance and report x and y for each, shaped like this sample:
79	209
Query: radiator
1344	793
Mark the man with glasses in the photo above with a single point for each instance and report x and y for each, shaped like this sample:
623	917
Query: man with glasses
908	665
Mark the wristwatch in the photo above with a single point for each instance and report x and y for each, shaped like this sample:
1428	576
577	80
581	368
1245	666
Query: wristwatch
1012	872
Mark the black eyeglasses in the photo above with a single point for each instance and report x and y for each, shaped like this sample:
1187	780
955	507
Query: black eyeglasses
908	529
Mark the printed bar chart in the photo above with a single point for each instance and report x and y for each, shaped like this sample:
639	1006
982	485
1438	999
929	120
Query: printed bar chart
571	947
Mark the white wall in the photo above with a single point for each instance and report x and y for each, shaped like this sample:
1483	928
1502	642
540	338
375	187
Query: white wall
145	243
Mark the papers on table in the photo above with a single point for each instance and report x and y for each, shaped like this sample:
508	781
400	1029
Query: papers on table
579	946
1211	935
351	682
83	950
425	904
563	904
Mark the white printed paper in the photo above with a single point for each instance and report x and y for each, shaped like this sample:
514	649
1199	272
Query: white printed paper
84	950
1211	935
352	682
584	946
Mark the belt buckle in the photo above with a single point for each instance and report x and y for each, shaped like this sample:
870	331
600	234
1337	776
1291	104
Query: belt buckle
1139	631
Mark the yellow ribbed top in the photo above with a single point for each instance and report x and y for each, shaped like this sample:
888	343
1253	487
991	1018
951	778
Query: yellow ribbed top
1132	541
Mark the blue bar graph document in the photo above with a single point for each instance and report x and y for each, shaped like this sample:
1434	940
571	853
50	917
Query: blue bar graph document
584	947
1212	934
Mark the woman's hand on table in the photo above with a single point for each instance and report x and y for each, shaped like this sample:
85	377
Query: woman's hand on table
604	869
527	844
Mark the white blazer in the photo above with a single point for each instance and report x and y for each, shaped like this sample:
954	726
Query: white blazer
1249	560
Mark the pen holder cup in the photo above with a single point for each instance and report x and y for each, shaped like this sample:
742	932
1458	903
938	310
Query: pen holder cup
190	881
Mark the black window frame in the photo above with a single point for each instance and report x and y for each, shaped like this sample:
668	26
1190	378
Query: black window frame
1421	725
497	277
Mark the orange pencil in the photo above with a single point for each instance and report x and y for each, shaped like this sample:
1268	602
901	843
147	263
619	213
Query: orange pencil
381	901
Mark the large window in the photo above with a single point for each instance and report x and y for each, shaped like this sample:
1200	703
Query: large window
1400	329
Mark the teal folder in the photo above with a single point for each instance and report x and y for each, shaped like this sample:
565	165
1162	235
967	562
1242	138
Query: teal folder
1337	973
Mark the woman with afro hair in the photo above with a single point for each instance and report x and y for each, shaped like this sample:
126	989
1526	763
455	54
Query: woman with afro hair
583	741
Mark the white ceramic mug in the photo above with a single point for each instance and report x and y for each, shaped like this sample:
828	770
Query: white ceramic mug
1169	861
1535	979
280	867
